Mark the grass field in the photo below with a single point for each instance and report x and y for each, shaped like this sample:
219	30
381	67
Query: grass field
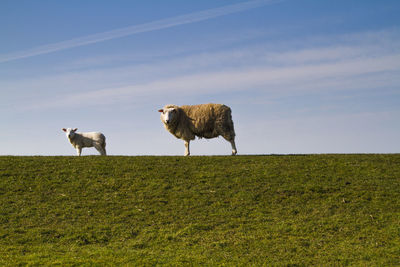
234	211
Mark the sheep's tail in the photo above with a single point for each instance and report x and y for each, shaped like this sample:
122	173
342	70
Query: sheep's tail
230	125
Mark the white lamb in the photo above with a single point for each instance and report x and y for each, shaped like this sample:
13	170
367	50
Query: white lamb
92	139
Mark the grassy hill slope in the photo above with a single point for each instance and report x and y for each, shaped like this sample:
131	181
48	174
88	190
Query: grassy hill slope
244	210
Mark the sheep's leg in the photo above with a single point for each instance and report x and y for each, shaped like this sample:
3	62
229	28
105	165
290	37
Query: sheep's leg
232	141
187	150
78	151
234	150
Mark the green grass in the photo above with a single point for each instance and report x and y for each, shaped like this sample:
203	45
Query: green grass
234	211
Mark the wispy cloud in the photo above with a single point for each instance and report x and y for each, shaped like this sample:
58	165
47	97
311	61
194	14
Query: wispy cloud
345	75
337	67
135	29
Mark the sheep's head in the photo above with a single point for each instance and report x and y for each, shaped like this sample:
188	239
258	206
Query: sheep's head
70	132
168	115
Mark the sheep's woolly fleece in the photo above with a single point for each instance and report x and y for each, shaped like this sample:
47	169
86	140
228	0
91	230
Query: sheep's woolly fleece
205	120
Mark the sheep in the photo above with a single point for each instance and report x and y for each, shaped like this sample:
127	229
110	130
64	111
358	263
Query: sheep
205	120
80	140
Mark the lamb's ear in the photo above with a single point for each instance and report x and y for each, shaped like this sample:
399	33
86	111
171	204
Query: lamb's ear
64	129
160	110
75	129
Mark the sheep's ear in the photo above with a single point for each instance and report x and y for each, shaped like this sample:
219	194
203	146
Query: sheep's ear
64	129
160	110
75	129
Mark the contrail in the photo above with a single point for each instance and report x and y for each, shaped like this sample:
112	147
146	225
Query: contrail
146	27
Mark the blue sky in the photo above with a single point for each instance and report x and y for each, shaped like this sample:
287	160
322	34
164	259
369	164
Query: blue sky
301	76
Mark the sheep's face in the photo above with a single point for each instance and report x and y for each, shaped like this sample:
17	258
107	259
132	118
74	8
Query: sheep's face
70	133
168	115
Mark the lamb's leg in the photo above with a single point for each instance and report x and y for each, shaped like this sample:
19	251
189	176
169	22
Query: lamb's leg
78	151
100	148
104	149
187	150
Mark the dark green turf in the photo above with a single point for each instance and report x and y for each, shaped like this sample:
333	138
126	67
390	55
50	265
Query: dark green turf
235	211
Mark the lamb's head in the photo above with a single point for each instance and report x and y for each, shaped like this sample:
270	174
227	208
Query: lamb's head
70	132
169	114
